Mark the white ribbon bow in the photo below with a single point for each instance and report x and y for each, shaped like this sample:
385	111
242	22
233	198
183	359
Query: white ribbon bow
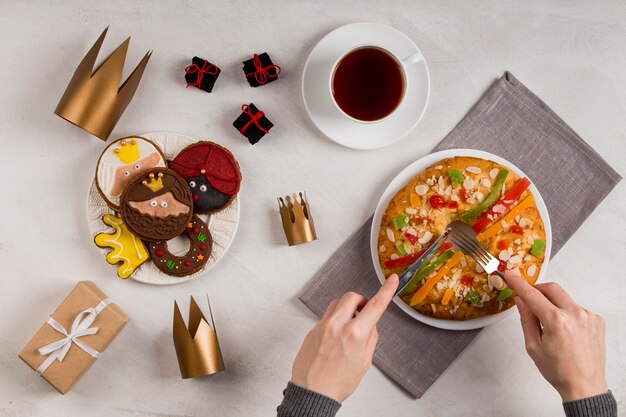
80	327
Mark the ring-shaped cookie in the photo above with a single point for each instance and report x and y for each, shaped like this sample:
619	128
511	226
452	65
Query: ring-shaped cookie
200	246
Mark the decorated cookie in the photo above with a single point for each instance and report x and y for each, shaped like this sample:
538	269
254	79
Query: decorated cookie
120	162
157	205
200	245
212	174
128	249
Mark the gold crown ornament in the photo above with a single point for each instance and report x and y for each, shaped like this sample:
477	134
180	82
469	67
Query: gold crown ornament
94	100
154	184
297	220
128	151
197	347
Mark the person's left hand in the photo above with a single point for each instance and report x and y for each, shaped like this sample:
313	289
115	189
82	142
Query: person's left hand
338	351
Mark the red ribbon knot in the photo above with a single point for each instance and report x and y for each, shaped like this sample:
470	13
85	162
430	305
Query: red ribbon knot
207	68
261	73
254	118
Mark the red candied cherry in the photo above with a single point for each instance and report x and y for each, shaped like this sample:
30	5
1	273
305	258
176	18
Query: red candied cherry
437	201
463	194
187	263
195	230
159	252
466	279
502	266
516	229
202	246
453	204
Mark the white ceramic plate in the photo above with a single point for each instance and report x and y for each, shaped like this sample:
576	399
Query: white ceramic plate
400	181
329	119
222	225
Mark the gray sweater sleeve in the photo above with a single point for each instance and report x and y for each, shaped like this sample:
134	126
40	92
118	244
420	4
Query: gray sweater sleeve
301	402
603	405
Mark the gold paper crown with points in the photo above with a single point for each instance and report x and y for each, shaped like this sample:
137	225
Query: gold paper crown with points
297	219
94	100
128	151
154	184
197	347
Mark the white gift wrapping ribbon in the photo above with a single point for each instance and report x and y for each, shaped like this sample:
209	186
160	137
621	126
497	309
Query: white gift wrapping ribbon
80	327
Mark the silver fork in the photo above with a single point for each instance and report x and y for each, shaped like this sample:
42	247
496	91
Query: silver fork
463	236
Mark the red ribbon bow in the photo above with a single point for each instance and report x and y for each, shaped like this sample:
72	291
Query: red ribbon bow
261	73
254	118
207	68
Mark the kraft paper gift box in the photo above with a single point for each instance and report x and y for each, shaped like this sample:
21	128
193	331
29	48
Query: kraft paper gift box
74	336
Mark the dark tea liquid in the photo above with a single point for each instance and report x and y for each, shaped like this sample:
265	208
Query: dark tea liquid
368	84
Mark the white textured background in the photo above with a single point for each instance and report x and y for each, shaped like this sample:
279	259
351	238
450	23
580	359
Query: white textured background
570	53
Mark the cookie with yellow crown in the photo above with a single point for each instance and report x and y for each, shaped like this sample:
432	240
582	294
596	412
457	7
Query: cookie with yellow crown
157	205
123	160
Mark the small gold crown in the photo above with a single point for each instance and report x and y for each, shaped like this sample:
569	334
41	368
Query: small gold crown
128	151
197	347
297	220
154	184
94	100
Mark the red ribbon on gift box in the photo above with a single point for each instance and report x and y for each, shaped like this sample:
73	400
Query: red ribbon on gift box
261	73
254	118
207	68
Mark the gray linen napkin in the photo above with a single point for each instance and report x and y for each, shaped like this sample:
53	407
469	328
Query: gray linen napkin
509	121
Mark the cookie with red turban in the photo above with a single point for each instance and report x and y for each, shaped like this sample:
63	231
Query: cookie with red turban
212	173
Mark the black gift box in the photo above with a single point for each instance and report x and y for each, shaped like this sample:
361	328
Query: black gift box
260	70
202	74
255	129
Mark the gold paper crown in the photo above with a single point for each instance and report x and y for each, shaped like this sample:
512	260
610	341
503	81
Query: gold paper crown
94	100
128	151
151	183
297	219
197	347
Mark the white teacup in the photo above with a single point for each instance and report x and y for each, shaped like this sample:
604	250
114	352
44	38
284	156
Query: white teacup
403	64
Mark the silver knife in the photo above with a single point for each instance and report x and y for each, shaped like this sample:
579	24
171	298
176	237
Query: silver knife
408	274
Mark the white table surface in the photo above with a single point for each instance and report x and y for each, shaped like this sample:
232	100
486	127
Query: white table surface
569	53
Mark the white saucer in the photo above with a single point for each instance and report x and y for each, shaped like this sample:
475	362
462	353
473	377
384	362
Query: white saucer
317	97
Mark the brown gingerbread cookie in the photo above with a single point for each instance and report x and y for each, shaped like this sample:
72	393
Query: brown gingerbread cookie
200	246
157	205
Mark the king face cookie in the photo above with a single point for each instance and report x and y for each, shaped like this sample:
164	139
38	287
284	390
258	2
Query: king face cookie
157	205
212	173
120	162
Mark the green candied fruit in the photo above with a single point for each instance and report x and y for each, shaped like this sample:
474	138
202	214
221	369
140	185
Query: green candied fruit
201	237
504	294
400	221
537	248
170	265
401	249
426	269
456	176
472	297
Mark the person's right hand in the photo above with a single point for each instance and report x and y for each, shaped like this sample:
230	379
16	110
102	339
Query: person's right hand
565	341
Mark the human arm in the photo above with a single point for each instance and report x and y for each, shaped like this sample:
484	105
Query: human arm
567	344
335	354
